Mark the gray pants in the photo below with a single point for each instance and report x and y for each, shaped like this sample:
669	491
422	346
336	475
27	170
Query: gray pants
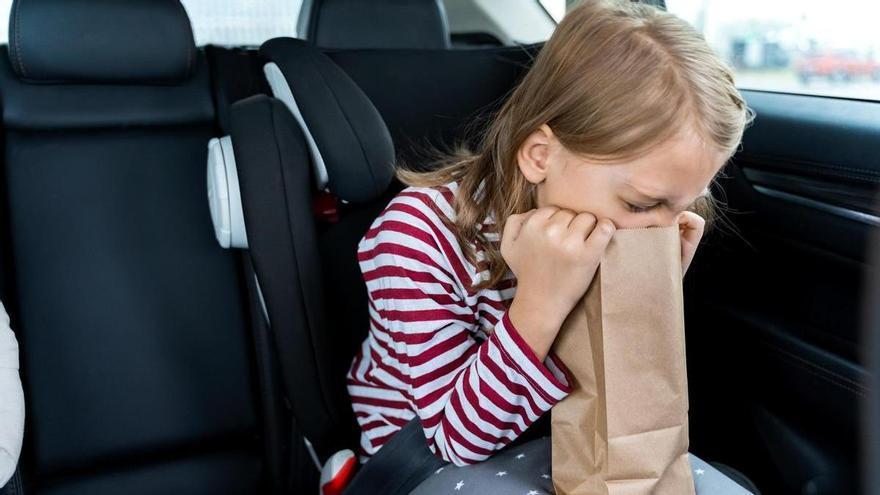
525	470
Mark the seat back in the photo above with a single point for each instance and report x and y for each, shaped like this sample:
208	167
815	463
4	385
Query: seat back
385	24
274	155
435	97
134	346
320	134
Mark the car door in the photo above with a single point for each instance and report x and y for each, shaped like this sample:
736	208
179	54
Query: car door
775	295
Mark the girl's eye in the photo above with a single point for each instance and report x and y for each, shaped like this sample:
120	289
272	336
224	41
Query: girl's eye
639	209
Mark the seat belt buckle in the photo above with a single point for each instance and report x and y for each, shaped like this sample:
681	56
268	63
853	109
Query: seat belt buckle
337	472
325	206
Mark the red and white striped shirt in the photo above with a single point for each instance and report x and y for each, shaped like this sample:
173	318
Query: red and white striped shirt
438	349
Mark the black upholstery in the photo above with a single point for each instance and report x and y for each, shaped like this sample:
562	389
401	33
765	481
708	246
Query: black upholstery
75	106
101	41
308	269
379	24
443	95
287	247
236	73
870	408
276	196
135	353
209	474
453	90
347	129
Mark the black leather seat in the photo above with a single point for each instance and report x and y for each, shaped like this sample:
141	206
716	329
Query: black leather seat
321	134
384	24
312	318
442	96
136	357
449	98
307	268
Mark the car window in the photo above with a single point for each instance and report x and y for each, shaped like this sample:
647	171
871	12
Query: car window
794	46
5	7
495	22
223	22
241	22
556	8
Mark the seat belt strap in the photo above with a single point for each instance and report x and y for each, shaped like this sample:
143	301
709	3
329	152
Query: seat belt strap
400	465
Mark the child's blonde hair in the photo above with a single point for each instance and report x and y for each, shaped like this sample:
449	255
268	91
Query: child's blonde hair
614	80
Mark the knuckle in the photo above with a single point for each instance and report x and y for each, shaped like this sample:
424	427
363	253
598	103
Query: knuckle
552	230
545	210
589	217
572	248
606	228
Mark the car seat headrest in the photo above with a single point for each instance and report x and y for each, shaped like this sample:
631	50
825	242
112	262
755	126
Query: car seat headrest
97	41
382	24
349	142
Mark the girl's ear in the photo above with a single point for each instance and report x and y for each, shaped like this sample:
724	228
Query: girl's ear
533	155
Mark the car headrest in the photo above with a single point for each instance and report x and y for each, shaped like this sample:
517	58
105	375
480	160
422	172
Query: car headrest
379	24
349	142
97	41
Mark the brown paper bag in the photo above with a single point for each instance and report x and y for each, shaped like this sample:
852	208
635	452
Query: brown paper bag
623	430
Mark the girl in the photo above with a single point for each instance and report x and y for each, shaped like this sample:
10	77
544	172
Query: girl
623	121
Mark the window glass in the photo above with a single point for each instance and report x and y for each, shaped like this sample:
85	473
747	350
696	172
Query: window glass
794	46
500	22
5	7
223	22
556	8
241	22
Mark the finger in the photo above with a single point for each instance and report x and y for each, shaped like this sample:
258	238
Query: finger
562	218
513	226
689	217
582	225
691	227
599	238
544	212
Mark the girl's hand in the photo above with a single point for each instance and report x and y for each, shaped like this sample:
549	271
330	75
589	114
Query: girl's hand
690	227
554	254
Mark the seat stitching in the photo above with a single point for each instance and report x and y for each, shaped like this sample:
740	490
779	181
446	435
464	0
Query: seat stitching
18	38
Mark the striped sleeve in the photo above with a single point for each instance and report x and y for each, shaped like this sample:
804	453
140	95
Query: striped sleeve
472	397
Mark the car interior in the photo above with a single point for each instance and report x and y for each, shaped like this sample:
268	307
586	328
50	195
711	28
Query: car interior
182	339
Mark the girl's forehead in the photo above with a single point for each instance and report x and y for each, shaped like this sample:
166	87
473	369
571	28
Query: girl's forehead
679	168
677	171
685	154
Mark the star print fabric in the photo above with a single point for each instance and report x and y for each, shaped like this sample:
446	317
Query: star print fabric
521	470
525	470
